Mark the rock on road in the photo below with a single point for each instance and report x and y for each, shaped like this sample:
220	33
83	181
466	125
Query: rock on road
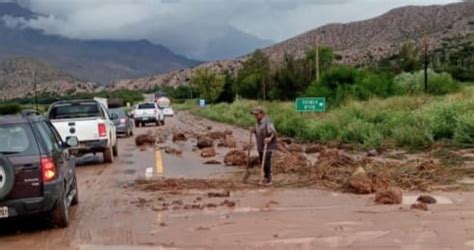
110	216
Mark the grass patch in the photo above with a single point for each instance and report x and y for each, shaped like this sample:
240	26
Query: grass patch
185	105
410	122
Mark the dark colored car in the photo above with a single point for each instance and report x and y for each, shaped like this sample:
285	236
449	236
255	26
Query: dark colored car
37	175
122	121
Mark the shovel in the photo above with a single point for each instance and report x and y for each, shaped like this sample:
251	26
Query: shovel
262	172
247	168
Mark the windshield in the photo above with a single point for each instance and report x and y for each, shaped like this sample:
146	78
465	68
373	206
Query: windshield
119	112
15	138
81	110
146	106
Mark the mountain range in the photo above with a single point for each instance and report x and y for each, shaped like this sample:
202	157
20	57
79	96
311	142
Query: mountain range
100	61
20	76
356	43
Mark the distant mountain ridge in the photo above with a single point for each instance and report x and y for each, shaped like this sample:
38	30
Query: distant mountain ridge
18	76
357	43
380	37
92	60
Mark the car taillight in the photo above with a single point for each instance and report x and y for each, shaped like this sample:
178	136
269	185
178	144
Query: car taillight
48	168
102	130
122	121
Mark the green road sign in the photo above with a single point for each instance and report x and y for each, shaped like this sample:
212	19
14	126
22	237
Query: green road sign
310	104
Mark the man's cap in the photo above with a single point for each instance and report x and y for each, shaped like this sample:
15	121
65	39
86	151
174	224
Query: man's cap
258	110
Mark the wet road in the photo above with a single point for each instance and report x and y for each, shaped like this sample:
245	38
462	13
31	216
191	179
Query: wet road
109	216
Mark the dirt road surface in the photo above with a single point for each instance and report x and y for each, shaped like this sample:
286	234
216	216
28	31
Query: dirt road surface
111	215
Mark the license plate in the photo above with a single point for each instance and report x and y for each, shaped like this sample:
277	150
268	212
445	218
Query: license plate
145	118
3	212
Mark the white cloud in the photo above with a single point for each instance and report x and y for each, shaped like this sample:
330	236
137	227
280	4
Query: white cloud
188	26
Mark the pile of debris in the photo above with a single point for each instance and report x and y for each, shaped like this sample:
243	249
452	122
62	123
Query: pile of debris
162	184
289	162
422	175
172	151
179	137
336	158
204	142
338	170
222	138
235	158
208	152
422	202
145	140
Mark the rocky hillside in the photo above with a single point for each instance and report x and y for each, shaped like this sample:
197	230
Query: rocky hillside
177	77
17	77
358	42
355	43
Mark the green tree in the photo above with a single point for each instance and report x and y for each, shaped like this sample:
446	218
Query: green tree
409	58
209	84
326	59
290	80
254	77
228	93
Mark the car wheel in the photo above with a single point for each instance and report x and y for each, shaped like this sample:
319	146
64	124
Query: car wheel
115	149
7	177
75	200
108	155
60	213
158	123
137	124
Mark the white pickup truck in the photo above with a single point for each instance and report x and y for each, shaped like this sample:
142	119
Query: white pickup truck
148	112
90	122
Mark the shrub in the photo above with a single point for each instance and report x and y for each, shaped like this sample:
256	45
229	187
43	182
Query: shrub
322	131
363	133
464	131
9	109
438	83
342	83
443	118
413	137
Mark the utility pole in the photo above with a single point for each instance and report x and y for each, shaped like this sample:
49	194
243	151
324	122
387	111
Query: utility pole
425	55
317	60
36	91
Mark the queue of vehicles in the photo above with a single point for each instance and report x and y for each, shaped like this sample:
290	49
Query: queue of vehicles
37	153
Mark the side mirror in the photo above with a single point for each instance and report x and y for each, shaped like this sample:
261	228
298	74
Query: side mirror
72	142
114	116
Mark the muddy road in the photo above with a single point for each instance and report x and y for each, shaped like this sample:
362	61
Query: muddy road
113	215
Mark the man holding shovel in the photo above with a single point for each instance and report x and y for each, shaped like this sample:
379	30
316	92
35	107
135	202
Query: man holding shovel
266	135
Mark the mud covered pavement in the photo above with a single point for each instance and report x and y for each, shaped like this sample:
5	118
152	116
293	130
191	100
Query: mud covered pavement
162	195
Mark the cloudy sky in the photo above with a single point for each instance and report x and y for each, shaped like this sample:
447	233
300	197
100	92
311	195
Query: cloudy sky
190	27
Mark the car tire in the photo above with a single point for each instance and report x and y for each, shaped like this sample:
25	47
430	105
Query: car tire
137	124
158	123
7	176
115	149
108	155
60	213
75	199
